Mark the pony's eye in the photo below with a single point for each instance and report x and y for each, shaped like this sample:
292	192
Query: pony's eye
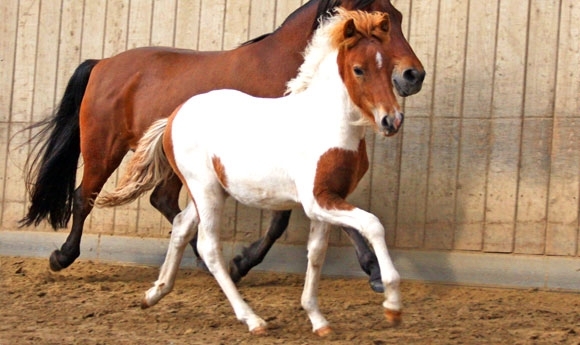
358	71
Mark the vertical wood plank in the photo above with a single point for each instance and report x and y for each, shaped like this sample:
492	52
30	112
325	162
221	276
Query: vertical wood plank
22	99
502	185
140	24
187	23
440	212
412	192
507	108
450	58
533	185
8	41
562	231
71	29
46	61
479	59
443	156
237	23
476	109
537	127
413	184
510	57
163	26
471	180
95	14
211	24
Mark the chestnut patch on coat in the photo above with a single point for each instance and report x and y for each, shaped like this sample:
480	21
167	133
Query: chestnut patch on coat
338	172
220	171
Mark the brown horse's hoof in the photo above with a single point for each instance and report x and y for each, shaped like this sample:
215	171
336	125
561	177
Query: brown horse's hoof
323	331
259	331
393	317
55	266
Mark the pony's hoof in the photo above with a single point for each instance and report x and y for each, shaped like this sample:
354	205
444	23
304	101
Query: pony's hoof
393	317
259	331
144	304
377	286
323	331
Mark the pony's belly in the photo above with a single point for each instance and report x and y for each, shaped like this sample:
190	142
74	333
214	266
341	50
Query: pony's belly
268	195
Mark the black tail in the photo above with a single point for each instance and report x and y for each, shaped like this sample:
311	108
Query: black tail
51	173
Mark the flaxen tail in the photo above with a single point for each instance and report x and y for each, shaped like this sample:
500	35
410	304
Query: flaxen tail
147	168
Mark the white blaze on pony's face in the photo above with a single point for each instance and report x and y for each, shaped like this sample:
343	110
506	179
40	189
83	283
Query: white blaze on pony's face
367	80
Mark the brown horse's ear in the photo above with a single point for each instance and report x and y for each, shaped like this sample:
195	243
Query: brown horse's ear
349	28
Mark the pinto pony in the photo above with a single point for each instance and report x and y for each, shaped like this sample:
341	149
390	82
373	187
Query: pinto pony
108	104
306	148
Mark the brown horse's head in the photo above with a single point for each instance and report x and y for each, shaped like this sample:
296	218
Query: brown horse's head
407	72
364	56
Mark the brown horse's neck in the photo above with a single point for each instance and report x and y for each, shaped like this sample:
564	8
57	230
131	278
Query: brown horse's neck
296	29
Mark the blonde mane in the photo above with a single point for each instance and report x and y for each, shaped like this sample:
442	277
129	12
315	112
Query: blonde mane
328	38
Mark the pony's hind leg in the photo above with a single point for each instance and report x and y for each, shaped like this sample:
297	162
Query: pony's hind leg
317	246
165	198
256	252
182	232
210	251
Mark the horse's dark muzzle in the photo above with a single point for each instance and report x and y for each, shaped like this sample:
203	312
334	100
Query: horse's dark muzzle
409	82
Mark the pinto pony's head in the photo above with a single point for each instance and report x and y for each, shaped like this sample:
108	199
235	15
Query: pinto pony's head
364	59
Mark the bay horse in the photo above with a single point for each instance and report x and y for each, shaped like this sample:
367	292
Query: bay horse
315	160
108	104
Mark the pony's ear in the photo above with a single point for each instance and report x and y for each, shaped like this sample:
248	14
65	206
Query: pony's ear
385	23
349	28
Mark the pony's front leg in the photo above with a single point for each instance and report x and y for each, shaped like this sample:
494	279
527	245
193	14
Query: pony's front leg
317	245
182	232
371	228
374	231
208	245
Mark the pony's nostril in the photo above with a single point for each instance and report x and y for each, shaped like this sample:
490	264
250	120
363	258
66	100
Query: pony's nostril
414	76
386	122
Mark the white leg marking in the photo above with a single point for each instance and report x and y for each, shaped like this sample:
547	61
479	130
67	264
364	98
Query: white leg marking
371	228
317	245
182	232
209	248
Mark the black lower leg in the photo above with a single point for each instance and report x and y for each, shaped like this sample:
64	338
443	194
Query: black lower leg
366	258
255	253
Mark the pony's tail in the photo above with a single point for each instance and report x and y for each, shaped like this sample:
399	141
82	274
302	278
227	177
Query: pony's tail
51	173
147	168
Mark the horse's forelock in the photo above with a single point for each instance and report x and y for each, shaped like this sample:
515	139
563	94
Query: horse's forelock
366	24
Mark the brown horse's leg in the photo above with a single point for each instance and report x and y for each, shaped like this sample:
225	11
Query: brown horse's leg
165	198
366	259
95	174
255	253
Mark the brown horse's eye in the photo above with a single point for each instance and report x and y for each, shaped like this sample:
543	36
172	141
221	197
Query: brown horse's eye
358	71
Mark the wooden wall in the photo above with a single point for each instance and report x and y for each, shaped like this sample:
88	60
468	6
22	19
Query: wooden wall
489	158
